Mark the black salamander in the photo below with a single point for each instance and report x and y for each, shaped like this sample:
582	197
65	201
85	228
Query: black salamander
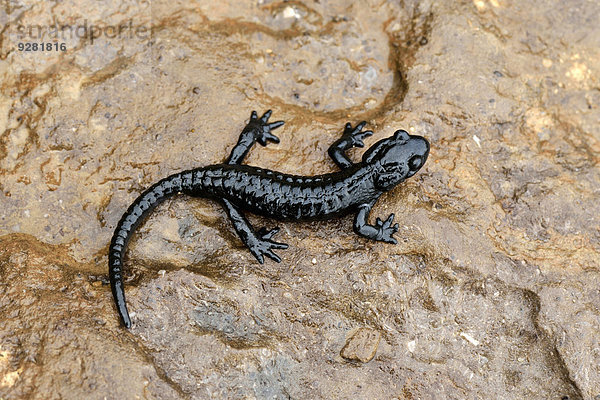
354	189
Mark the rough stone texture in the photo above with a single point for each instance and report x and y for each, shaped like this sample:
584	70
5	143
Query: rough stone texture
492	291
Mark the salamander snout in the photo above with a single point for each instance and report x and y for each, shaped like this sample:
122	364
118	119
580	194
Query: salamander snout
409	152
418	149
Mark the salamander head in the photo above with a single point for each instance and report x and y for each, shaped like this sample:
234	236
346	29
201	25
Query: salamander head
396	158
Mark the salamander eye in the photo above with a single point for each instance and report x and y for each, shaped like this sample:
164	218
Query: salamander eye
415	163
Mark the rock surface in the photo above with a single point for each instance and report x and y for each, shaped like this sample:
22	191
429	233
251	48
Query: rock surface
491	292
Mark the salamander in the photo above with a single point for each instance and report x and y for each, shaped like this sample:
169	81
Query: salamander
353	189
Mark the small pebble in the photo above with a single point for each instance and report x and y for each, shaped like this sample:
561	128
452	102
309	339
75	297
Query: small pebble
361	345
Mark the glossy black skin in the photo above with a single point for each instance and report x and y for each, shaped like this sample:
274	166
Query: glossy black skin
354	189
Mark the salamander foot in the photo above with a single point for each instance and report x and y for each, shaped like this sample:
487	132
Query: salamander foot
262	245
356	135
386	230
262	128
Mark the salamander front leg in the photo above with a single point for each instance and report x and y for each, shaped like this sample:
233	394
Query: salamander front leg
383	231
259	243
258	129
352	137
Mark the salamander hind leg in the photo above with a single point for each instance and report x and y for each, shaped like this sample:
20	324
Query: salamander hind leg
259	243
257	130
352	137
382	231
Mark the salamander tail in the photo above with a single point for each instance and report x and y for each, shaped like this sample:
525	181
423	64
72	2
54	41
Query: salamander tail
135	214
